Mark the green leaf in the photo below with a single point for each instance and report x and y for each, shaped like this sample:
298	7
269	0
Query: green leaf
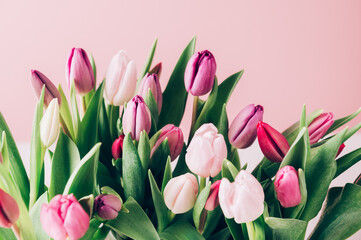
35	217
167	174
234	158
175	95
181	230
133	176
236	230
65	114
75	110
221	235
93	228
284	229
159	159
144	151
125	223
113	116
199	206
148	62
229	171
347	161
222	127
17	169
341	217
342	121
212	220
161	209
7	233
181	166
152	105
65	160
82	181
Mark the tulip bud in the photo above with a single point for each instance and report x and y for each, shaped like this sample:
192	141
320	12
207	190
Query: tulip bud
107	206
340	149
242	199
150	81
9	210
117	147
206	151
180	193
79	70
38	80
272	143
121	80
64	218
200	73
287	187
319	126
157	69
243	130
49	124
175	140
136	118
213	199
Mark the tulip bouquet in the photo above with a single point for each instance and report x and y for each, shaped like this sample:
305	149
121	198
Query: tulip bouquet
121	168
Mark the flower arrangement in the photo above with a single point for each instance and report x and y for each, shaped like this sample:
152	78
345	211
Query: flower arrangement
121	167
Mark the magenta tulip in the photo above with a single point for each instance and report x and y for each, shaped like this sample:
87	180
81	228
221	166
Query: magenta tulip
180	193
117	147
272	143
242	199
79	70
200	73
151	82
38	80
243	130
64	218
175	140
213	199
287	187
136	118
107	206
9	210
340	149
319	126
206	151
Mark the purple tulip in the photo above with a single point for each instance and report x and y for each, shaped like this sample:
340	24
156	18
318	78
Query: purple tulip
150	81
272	143
38	80
200	73
243	130
319	126
136	118
107	206
287	187
79	70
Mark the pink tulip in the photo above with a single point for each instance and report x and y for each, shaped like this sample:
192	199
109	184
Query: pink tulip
213	199
38	80
151	82
180	193
107	206
242	199
287	187
272	143
117	147
9	210
319	126
175	140
200	73
136	118
243	130
206	151
79	70
64	218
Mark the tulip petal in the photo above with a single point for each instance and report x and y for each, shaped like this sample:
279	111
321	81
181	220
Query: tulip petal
76	221
52	223
127	87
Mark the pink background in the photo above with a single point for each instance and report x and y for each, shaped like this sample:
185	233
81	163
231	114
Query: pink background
293	53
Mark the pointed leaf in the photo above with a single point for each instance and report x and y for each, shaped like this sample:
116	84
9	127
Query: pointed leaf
65	114
148	62
284	229
35	217
342	121
181	230
167	174
199	206
347	161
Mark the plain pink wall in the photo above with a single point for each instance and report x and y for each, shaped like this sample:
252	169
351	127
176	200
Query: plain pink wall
292	52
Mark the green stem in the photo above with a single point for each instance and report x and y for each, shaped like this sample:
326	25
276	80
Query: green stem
250	230
113	118
171	216
16	231
202	183
194	117
83	103
37	187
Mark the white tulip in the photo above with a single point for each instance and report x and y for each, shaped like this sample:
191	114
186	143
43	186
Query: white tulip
49	124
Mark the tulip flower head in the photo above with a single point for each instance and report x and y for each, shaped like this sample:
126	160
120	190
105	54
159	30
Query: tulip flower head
319	126
242	199
206	151
200	73
213	199
136	118
121	80
79	70
107	206
38	80
151	82
243	130
175	140
272	143
64	218
9	210
180	193
117	147
49	124
287	187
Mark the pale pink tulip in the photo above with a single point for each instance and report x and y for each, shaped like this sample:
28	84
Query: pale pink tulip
287	187
206	151
242	199
213	199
